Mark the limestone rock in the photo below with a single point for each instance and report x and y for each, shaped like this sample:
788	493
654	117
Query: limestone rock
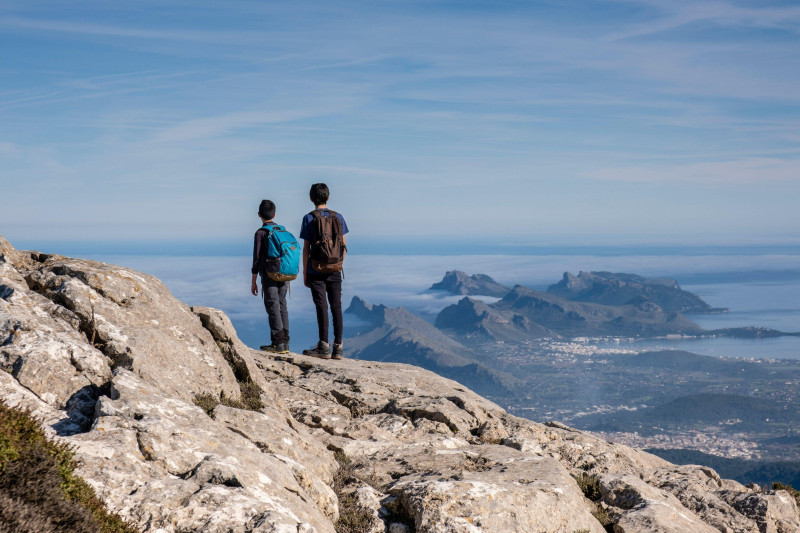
40	344
239	355
135	321
697	489
774	512
165	464
487	488
637	507
312	465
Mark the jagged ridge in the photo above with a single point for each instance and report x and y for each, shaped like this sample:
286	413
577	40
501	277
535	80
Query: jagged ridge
458	282
609	288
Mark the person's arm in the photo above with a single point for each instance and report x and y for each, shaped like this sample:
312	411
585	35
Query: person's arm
254	268
306	251
345	230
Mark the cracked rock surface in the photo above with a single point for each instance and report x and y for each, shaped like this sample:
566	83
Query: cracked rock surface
111	363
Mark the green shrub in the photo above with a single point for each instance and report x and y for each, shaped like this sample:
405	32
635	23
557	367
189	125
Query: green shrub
251	395
206	402
353	517
601	514
250	399
39	491
590	486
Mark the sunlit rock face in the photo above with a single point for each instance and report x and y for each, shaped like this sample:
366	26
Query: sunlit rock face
112	364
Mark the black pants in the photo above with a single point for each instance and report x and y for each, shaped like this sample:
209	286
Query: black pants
329	285
278	313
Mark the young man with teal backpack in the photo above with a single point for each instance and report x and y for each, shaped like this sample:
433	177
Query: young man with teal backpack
276	257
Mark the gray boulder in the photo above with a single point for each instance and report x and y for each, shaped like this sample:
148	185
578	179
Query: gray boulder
637	507
164	463
70	311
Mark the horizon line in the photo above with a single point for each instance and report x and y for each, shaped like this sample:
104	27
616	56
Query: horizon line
413	246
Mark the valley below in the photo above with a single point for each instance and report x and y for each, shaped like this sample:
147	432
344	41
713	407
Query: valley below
676	400
526	352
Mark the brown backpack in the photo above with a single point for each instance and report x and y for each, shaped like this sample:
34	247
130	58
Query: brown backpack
327	248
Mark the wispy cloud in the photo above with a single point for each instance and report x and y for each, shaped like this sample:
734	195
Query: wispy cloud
677	14
110	30
343	64
750	170
201	128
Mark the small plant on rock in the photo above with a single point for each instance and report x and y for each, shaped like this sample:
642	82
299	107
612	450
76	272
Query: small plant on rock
251	395
250	399
206	402
590	486
353	517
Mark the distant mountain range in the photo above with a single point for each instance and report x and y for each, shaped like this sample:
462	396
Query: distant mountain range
395	335
475	319
616	289
594	304
591	304
458	282
528	313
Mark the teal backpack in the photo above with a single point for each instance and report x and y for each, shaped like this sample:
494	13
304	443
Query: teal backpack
283	254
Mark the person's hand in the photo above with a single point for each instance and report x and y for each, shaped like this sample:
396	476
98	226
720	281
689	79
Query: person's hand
254	288
305	281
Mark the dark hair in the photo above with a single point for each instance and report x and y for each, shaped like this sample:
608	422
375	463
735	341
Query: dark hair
319	193
266	209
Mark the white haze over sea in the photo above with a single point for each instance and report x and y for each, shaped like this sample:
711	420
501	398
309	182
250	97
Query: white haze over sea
760	289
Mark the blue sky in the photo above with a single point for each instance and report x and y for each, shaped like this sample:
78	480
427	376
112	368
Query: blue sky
534	122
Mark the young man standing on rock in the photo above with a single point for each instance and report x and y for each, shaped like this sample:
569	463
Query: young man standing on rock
324	247
274	292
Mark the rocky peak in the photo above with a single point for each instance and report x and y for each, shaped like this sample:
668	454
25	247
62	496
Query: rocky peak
574	283
458	282
610	288
115	366
361	309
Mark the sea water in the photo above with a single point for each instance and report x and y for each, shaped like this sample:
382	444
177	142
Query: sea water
760	287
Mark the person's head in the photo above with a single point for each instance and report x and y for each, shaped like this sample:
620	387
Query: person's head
266	209
319	194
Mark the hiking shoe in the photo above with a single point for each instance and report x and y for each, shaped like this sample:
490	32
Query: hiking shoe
281	347
338	351
321	350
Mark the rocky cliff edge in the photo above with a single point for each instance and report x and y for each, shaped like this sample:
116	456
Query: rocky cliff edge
113	364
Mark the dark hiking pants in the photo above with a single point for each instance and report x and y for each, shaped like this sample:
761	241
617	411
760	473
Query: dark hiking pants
327	289
278	313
